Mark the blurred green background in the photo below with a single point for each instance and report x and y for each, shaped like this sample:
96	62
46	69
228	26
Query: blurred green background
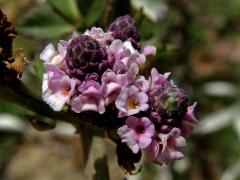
197	41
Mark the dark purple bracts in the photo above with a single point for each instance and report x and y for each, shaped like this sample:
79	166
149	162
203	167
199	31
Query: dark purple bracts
125	28
84	58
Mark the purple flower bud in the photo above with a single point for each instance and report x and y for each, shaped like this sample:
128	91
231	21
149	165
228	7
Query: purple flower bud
171	103
84	58
125	28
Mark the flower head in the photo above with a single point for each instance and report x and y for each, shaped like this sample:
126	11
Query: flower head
168	100
99	73
137	133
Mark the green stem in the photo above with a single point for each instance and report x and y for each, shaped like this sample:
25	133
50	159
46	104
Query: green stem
16	92
94	152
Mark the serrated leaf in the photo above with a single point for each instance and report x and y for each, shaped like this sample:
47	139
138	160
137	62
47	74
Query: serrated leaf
67	8
95	11
42	23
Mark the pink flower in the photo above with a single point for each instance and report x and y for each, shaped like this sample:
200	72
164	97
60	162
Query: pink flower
90	98
168	148
149	50
188	121
158	80
142	83
57	88
52	56
131	101
131	74
190	117
104	38
112	84
137	133
124	55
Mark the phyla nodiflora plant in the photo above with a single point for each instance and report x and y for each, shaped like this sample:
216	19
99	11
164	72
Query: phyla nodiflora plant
97	73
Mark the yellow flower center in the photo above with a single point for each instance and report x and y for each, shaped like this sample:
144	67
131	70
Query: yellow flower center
133	104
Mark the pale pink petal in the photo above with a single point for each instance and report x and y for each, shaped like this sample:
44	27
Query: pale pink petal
149	50
190	117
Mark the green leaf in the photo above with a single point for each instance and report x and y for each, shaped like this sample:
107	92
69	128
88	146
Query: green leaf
67	8
11	108
42	123
39	68
84	6
153	9
42	23
95	11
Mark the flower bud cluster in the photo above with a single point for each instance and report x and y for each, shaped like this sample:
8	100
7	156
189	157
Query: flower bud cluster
98	71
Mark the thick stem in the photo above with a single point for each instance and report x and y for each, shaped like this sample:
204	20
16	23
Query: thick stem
94	152
15	92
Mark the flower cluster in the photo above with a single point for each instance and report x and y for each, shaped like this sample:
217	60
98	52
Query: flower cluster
99	70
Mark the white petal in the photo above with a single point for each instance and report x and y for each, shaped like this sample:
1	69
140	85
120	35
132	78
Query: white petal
56	59
128	45
48	53
55	101
89	107
111	87
45	82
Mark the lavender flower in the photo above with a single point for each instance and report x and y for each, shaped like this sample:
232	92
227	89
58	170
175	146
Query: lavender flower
131	101
168	147
149	50
90	98
104	38
57	88
137	133
112	84
51	56
188	121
